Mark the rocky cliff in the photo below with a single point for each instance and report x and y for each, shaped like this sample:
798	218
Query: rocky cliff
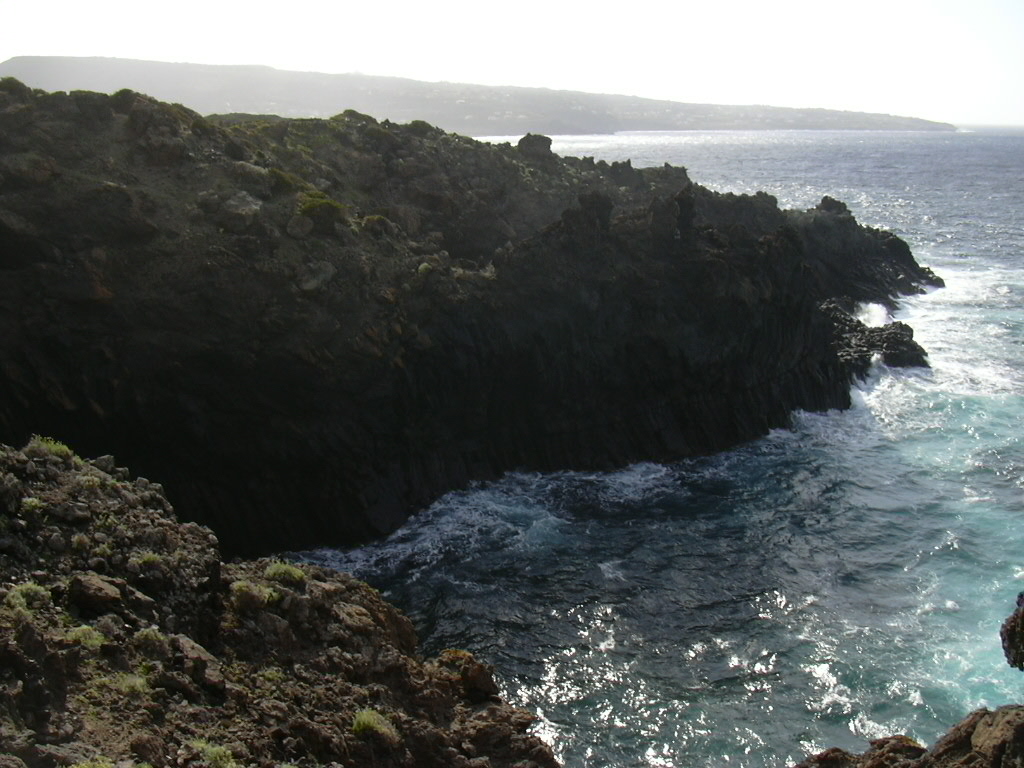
124	639
308	329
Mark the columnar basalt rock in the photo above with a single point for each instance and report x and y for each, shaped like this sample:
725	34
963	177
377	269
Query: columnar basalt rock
308	329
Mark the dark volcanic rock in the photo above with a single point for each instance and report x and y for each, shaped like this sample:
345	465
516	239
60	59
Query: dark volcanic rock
857	344
1012	635
535	146
174	658
310	328
985	739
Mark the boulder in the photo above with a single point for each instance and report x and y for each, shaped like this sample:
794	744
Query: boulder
94	594
535	147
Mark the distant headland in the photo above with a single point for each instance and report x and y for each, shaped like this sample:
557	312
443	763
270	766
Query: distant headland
474	110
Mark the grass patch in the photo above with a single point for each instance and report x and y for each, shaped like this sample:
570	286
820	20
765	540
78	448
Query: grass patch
152	642
129	684
285	573
86	636
369	722
89	482
26	596
147	559
247	596
31	504
213	755
46	446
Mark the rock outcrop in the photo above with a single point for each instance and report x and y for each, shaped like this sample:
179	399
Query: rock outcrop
984	739
1012	635
308	329
124	639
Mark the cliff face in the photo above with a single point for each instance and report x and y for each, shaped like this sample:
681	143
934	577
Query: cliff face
309	328
124	639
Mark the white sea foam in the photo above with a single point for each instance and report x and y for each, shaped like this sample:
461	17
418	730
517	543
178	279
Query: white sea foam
873	315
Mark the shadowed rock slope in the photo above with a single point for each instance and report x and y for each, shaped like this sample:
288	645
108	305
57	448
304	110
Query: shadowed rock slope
308	329
124	639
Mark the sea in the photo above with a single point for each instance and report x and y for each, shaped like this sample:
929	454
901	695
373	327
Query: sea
827	584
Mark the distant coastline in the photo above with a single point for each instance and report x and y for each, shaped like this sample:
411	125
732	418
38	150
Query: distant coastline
472	110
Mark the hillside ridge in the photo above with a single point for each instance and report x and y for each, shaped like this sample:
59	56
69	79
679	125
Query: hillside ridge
473	110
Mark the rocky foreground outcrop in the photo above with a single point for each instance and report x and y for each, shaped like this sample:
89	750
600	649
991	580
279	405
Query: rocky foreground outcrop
124	639
308	329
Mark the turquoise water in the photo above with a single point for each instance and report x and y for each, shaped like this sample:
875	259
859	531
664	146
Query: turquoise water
822	586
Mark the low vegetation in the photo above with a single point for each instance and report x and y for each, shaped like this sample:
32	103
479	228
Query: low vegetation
285	573
370	722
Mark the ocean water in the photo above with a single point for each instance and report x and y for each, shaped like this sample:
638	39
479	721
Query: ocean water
822	586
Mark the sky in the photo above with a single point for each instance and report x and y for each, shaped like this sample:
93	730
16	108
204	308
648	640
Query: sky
958	61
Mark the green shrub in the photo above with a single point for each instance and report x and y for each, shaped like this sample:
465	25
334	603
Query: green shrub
271	674
284	573
26	596
86	636
421	128
351	114
213	755
31	504
103	550
46	446
369	722
283	181
251	597
382	139
152	642
96	762
320	208
129	684
89	482
377	225
147	558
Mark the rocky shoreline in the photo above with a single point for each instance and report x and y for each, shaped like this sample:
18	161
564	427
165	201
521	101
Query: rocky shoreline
309	329
125	640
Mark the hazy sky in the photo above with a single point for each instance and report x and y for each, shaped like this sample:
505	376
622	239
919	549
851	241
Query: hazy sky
960	61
